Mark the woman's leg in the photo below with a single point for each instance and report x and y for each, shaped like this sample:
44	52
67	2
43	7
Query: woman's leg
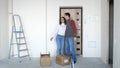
62	45
58	44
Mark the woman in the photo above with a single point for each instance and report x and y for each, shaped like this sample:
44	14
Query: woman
60	31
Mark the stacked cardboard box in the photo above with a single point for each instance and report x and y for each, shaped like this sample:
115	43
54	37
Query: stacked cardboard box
45	60
62	60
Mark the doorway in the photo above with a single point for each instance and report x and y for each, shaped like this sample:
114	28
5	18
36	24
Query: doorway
76	15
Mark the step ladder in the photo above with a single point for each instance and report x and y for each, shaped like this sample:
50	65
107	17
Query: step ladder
18	39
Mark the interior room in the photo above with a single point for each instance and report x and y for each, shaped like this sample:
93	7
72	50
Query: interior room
96	43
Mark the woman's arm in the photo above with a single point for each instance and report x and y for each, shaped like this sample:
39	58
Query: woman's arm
55	33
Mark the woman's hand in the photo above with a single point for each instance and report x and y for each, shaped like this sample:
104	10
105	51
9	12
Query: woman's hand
51	39
75	39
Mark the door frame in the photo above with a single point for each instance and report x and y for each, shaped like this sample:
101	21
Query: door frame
76	7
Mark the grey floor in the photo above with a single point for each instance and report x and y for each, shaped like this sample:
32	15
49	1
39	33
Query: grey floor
34	63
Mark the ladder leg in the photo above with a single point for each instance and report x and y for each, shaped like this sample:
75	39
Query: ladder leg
28	52
26	46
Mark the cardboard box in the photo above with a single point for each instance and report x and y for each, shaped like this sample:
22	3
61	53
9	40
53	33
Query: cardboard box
45	60
62	60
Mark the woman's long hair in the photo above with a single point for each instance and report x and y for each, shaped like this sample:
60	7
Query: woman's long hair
64	21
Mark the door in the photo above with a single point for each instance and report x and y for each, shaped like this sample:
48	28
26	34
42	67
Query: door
76	15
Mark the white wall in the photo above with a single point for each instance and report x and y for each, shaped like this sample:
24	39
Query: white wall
3	29
90	9
104	30
33	17
32	13
116	57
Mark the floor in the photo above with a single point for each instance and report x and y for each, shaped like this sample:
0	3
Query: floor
34	63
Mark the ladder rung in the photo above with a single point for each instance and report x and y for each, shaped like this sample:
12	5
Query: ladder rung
18	31
24	56
23	50
20	37
13	43
21	43
14	55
